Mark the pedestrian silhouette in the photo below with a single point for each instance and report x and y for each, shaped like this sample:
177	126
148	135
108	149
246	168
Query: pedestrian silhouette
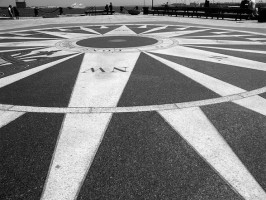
36	11
107	9
16	12
111	8
10	11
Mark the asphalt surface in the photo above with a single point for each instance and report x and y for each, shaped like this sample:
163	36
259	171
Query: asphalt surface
115	107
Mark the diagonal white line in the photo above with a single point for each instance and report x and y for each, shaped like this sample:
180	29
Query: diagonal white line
16	77
81	135
216	36
174	33
144	26
187	52
154	29
8	116
230	49
195	128
27	38
78	143
220	87
45	43
255	103
64	34
89	30
19	49
184	41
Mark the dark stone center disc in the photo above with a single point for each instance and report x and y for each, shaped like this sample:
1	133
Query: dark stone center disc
117	42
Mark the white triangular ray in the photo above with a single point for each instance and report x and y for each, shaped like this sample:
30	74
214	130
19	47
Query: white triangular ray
64	34
255	103
222	48
80	137
2	61
21	34
220	32
89	30
197	130
15	55
257	39
197	54
18	49
81	134
184	41
103	27
176	33
26	38
16	77
144	26
220	87
61	29
155	29
122	30
46	43
102	89
8	116
182	29
216	36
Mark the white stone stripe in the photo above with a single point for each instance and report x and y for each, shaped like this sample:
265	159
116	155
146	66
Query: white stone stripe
46	43
230	49
20	49
16	77
89	30
257	39
196	54
78	143
255	103
176	33
145	26
195	128
64	34
183	41
95	88
27	38
216	36
8	116
154	29
220	87
122	30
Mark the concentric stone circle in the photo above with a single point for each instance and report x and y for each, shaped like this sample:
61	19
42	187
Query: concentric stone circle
157	42
73	44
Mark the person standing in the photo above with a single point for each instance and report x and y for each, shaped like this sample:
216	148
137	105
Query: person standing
36	11
10	11
111	8
16	12
60	10
107	9
252	8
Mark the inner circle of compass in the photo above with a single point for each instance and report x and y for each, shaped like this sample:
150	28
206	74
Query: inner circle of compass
117	42
128	68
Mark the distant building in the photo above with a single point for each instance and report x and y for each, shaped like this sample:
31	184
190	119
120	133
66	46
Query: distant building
20	4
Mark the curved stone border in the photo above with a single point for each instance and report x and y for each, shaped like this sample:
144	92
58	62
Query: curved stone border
173	106
70	45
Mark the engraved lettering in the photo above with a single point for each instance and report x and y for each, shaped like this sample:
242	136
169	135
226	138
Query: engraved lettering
121	70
